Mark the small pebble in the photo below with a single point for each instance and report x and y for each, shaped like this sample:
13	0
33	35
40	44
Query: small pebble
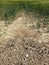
26	55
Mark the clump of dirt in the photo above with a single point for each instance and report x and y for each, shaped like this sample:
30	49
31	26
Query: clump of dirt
21	43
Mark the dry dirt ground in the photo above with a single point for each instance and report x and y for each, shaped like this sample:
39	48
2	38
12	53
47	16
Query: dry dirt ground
22	44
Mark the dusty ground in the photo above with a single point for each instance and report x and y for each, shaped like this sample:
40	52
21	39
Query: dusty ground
22	44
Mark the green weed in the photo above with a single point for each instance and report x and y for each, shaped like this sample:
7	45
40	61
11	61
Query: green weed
10	8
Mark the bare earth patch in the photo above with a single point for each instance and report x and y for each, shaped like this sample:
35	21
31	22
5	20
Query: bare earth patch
22	44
